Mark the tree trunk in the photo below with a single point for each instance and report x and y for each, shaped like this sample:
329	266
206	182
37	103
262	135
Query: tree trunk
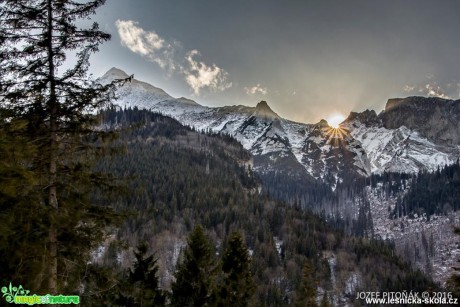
52	192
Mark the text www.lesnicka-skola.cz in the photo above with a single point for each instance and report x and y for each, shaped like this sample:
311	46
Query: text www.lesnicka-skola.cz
407	297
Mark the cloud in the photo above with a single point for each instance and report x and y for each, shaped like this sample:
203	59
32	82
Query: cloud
146	43
408	88
169	56
432	88
435	90
199	75
256	89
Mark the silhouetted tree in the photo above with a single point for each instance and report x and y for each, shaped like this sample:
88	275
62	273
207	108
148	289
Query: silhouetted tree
143	280
237	284
195	275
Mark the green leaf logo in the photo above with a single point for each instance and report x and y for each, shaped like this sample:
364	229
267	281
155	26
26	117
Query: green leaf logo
10	293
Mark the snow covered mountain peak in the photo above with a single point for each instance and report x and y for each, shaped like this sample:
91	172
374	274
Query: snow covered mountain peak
114	73
134	93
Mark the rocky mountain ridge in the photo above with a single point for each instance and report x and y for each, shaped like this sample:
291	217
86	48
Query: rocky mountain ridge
410	135
434	118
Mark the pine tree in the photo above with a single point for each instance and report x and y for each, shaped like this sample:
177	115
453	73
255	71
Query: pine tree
237	283
195	276
306	296
144	280
325	301
453	283
58	107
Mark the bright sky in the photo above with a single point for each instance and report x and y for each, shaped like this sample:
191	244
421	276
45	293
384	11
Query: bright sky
307	59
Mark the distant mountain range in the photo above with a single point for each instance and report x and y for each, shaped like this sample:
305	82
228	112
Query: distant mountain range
410	135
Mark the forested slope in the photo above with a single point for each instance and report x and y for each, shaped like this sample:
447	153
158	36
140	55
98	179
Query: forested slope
177	178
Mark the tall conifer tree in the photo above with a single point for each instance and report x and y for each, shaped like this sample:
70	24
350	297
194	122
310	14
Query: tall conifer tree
195	275
145	280
237	284
36	36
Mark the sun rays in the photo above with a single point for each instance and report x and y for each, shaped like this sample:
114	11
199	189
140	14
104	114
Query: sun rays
335	136
334	132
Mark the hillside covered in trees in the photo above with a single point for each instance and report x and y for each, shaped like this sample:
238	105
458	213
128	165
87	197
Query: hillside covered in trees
177	178
432	193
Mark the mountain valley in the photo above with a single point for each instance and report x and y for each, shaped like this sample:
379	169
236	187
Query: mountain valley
312	164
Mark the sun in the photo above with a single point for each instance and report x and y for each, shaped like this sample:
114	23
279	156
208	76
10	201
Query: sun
334	133
335	120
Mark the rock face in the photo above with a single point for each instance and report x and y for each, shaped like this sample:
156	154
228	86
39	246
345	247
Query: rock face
264	111
368	118
436	119
411	134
